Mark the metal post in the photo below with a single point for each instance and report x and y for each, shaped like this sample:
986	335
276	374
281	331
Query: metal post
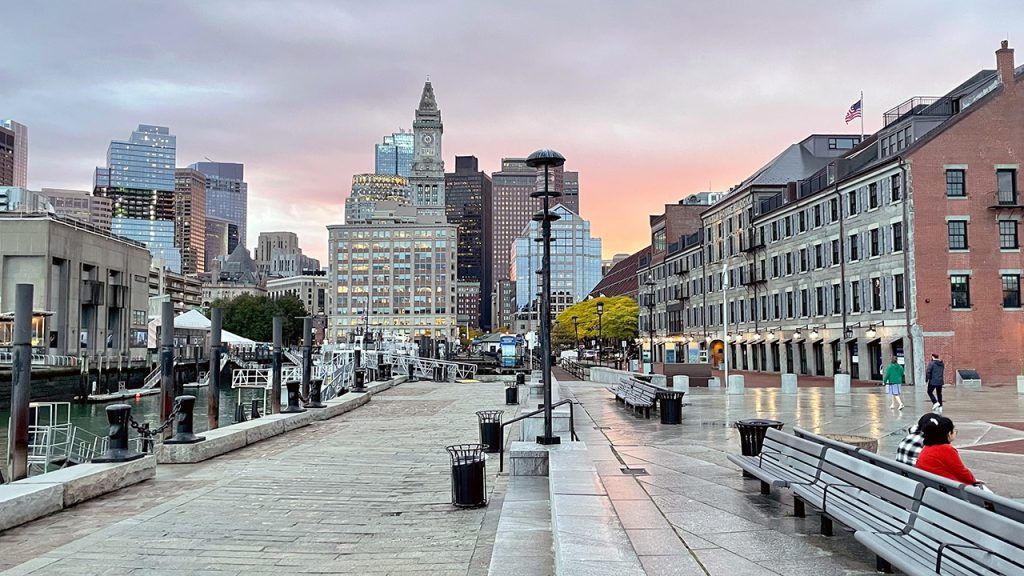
275	383
21	382
166	364
307	353
213	379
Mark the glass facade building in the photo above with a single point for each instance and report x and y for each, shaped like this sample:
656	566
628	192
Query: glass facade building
139	181
394	156
227	195
575	262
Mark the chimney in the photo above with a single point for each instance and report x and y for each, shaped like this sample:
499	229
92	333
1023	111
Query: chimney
1004	63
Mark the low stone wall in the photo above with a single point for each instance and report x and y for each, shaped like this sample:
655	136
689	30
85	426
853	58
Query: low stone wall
612	376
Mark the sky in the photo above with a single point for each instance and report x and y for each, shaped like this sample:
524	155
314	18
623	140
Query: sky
650	101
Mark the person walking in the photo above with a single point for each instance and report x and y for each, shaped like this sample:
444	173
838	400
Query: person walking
933	376
893	381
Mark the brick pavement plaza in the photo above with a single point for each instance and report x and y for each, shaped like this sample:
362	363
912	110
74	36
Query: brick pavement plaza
368	492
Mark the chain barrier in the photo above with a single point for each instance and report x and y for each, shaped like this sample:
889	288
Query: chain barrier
148	433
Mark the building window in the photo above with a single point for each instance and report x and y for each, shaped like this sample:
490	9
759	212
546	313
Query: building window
852	197
803	303
955	186
960	289
790	308
817	215
833	209
854	248
957	234
897	237
875	249
775	266
801	222
855	296
777	314
837	299
1006	180
789	226
819	256
876	294
873	195
894	187
835	252
803	260
897	285
1008	234
819	301
1011	290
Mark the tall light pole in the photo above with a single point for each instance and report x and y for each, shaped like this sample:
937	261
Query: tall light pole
725	322
600	333
650	284
546	159
576	331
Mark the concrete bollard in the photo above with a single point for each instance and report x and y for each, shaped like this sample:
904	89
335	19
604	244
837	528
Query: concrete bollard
841	383
681	383
714	383
293	398
735	384
254	410
789	383
183	433
1020	384
117	445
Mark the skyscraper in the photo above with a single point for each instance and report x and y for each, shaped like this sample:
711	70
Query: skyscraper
7	157
20	177
227	194
139	180
571	192
190	219
376	196
394	156
278	255
468	205
427	179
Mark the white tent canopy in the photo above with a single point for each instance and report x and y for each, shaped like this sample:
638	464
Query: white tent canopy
194	320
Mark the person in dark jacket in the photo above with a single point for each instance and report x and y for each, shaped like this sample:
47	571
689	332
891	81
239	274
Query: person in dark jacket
933	376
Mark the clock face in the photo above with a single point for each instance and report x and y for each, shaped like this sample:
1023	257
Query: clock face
428	139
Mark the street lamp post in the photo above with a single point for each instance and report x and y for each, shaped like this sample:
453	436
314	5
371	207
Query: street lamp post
546	159
650	314
600	334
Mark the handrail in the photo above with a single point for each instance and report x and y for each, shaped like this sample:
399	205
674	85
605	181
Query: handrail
572	427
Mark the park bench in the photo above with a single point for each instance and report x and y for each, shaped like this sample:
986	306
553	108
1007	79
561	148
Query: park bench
784	459
843	447
947	535
641	399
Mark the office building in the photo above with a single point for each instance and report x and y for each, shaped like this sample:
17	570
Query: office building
575	263
394	156
503	304
19	149
571	191
376	196
139	181
221	239
227	195
278	255
426	182
232	276
190	219
184	291
468	206
840	254
80	205
90	286
311	287
7	157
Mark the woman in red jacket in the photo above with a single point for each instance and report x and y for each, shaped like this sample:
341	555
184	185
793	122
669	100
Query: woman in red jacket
938	455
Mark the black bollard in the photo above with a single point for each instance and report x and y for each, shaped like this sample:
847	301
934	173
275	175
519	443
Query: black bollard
239	413
117	445
359	380
254	411
293	398
166	363
315	387
184	422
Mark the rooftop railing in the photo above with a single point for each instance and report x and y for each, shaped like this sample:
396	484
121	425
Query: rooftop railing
920	106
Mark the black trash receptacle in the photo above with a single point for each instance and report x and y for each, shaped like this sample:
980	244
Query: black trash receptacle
491	434
752	433
671	407
469	475
512	393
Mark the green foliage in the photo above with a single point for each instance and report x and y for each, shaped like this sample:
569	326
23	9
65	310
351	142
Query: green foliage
253	317
619	321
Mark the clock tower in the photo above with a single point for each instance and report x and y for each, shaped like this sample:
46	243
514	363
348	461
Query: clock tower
427	180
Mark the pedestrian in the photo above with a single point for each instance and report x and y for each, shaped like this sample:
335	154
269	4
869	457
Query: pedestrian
938	455
933	376
893	380
911	445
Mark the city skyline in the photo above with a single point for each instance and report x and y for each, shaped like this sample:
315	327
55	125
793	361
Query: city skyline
655	131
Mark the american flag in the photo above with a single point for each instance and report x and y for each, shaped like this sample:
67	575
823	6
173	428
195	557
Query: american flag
853	112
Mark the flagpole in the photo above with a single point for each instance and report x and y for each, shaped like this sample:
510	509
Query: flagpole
861	115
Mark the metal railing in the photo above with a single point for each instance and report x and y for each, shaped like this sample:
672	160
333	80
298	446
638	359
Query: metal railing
572	427
575	368
53	360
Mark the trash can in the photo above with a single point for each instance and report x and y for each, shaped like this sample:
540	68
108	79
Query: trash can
469	475
671	407
752	434
512	392
491	434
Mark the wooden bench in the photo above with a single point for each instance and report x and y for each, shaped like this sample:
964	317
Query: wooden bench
641	399
948	535
784	459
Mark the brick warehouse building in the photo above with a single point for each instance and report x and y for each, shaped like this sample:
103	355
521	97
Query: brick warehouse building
839	254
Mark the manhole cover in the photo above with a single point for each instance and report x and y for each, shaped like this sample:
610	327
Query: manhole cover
602	427
634	471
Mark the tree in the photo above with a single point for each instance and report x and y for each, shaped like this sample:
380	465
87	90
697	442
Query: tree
252	317
618	322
